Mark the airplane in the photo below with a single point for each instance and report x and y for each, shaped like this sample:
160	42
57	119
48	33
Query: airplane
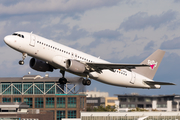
48	55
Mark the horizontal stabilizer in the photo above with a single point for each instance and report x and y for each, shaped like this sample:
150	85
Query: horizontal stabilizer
158	83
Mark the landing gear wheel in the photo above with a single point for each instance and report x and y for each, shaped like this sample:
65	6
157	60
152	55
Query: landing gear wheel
86	82
62	80
21	62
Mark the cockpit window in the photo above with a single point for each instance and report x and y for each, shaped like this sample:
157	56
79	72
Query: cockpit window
16	34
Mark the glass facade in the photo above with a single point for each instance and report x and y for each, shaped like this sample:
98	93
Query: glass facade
50	102
39	88
6	99
60	115
50	88
28	101
39	102
61	102
27	88
6	88
72	114
42	95
71	102
16	99
17	88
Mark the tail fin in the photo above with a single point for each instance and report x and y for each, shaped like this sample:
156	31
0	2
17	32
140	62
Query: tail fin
154	61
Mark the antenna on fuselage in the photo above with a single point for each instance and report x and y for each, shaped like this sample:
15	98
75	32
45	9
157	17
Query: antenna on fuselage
31	32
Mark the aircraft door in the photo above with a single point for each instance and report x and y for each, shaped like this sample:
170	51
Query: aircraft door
133	77
32	40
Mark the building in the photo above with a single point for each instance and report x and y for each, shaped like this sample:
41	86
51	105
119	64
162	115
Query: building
19	111
97	98
130	116
44	94
156	102
110	101
94	94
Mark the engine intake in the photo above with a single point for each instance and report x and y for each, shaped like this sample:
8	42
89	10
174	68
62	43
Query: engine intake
75	66
40	65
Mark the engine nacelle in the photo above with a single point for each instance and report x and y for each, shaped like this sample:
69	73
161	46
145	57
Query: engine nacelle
75	66
40	65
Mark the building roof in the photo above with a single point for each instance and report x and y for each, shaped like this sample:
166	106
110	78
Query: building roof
136	95
37	78
14	105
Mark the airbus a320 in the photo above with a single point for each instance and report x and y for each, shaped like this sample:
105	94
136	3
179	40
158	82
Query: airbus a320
48	55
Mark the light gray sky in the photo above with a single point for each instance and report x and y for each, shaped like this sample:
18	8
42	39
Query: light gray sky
119	31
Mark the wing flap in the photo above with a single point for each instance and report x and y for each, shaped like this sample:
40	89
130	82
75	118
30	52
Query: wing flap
158	83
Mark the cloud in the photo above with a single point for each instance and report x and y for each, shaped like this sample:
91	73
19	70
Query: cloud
108	34
174	25
142	20
49	6
171	44
149	46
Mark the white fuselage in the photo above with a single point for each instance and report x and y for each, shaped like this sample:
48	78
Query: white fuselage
46	50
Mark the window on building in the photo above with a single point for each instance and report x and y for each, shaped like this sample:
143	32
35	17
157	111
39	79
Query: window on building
28	88
165	99
50	88
16	99
111	101
91	101
6	99
140	106
72	114
39	102
60	115
131	106
102	100
123	106
148	99
159	99
161	105
39	88
17	88
61	102
72	102
6	88
140	99
148	105
131	99
50	102
28	101
123	99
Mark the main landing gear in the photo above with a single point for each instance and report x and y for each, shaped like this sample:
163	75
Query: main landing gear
62	80
21	62
86	82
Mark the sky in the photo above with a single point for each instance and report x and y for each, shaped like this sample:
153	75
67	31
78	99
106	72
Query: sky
119	31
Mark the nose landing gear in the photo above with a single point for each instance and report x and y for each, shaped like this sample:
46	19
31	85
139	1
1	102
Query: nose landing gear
21	62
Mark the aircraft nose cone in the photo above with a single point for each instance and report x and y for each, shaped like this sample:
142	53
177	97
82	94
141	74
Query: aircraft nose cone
7	39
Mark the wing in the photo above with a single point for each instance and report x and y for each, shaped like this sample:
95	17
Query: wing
98	67
158	83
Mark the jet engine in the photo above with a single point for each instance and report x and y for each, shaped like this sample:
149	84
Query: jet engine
75	66
40	65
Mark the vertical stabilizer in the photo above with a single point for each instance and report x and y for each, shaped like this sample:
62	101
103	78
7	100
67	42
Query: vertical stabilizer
154	61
